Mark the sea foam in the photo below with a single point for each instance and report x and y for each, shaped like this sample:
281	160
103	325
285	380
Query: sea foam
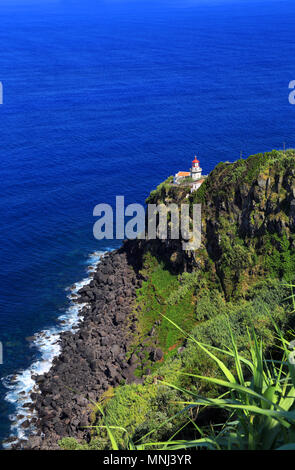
22	384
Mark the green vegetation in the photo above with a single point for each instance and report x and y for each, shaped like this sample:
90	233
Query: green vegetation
257	397
166	191
280	261
156	296
152	411
161	191
225	176
215	297
248	219
185	286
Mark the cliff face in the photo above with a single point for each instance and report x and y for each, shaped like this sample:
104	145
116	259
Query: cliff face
248	221
232	280
248	224
92	359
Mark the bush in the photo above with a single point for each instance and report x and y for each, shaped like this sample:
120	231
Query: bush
259	395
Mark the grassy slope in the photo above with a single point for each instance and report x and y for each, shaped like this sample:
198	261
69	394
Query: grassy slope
239	287
152	299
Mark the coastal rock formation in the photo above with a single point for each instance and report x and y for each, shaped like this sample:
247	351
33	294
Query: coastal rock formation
248	225
92	359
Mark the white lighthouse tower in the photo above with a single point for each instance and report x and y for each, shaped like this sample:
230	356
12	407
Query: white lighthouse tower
196	170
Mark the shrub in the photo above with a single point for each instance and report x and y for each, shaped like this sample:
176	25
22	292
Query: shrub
260	402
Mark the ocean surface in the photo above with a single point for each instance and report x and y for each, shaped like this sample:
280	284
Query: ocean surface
106	98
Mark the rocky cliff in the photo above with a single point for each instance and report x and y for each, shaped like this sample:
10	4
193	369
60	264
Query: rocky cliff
248	220
92	359
248	223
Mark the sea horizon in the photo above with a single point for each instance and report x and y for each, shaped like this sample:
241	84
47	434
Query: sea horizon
110	98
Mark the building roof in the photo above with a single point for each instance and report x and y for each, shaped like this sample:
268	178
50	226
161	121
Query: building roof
183	173
200	181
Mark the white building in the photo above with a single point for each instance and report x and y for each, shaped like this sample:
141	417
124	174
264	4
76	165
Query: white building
180	176
196	170
195	174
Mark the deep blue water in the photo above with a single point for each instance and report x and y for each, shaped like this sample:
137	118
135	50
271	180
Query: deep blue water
106	98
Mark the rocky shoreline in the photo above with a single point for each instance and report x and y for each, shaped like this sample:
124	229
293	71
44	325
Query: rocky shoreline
92	358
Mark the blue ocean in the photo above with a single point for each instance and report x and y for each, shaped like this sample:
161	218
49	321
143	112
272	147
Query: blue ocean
105	98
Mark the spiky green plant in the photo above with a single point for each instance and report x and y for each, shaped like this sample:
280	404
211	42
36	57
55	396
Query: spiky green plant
259	396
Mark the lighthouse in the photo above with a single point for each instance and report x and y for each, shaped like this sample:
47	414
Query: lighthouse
193	178
196	170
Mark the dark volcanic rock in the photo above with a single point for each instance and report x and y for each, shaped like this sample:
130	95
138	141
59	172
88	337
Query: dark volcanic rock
92	357
157	355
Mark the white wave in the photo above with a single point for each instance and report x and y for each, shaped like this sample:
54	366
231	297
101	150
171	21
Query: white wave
22	384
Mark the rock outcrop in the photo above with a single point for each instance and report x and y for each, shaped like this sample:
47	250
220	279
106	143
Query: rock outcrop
92	359
248	226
